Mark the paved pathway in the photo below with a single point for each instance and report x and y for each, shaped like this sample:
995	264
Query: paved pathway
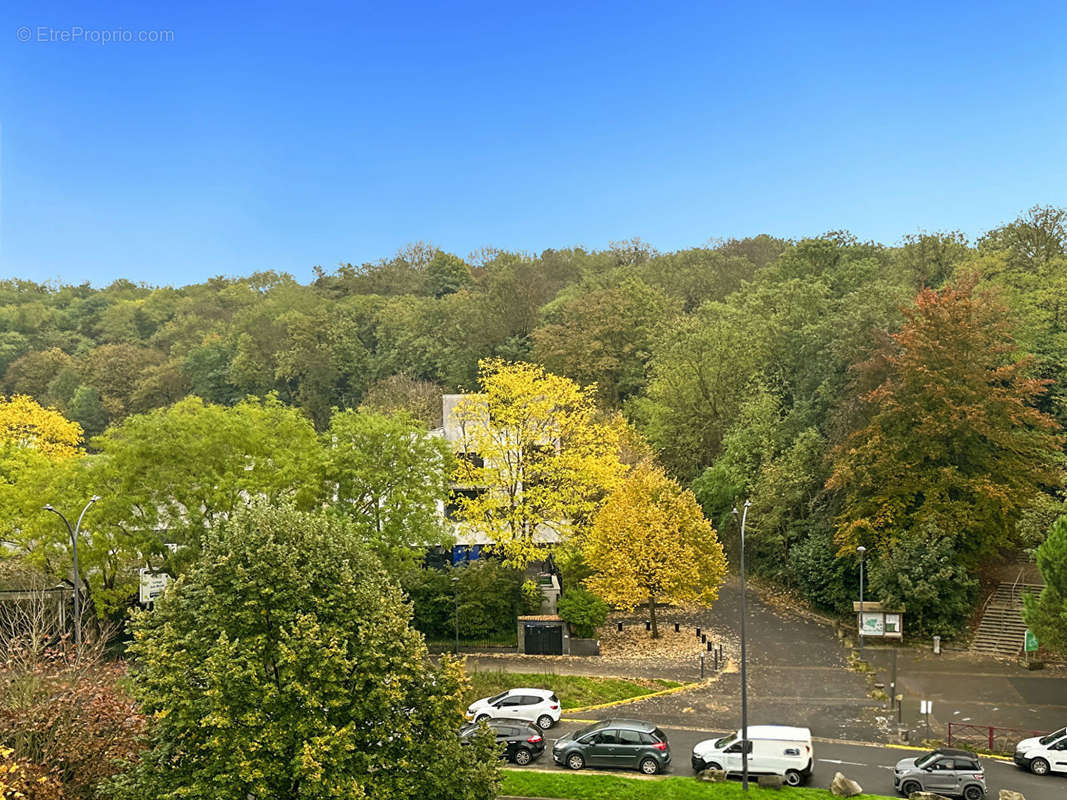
798	675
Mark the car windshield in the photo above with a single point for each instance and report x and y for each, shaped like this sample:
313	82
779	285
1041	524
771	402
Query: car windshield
497	698
1053	736
927	759
578	734
726	741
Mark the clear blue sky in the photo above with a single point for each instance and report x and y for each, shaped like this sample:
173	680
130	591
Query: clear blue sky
285	135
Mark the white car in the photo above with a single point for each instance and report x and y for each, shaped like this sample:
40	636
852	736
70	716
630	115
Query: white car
539	706
1043	754
772	750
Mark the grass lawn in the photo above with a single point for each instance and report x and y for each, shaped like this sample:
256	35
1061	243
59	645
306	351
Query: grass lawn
583	786
574	691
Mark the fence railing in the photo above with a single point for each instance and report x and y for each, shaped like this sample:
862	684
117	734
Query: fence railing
992	738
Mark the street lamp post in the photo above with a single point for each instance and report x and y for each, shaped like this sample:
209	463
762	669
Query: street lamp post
744	681
77	575
455	597
862	551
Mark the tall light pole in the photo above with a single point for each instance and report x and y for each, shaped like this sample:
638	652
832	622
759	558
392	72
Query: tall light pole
77	575
744	677
455	597
862	551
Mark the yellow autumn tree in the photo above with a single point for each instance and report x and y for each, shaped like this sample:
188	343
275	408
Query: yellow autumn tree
651	543
536	460
26	425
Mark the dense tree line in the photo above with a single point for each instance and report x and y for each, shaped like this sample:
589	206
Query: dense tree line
756	368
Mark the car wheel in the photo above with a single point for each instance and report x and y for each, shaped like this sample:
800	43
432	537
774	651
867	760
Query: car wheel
524	756
908	787
713	765
973	793
649	766
794	778
480	717
1039	766
544	722
575	761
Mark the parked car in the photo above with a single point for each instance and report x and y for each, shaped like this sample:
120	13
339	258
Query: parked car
540	706
772	750
1043	754
944	771
626	743
519	741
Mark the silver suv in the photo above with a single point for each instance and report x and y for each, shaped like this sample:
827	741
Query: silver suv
948	772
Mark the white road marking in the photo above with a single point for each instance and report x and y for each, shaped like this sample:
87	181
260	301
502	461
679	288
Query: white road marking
835	761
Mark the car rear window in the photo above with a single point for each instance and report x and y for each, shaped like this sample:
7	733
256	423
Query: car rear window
659	735
553	698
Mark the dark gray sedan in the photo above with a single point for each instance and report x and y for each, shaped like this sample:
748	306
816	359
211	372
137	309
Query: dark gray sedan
623	743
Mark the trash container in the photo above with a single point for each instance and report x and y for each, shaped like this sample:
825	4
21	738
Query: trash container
937	645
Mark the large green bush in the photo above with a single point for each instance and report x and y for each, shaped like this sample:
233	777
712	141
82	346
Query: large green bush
583	611
282	665
828	581
489	596
1046	614
923	575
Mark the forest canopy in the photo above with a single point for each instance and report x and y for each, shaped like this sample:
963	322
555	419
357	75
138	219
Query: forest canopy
757	368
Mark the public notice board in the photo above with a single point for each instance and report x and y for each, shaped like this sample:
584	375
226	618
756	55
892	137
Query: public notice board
153	585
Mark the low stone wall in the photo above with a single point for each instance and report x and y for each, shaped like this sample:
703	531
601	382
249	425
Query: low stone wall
585	647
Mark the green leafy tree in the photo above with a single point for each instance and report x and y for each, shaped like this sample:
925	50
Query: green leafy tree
604	336
583	611
170	474
420	399
953	439
283	665
922	574
827	579
87	409
446	274
389	476
1046	614
31	373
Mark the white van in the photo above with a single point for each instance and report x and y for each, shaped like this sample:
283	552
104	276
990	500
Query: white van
1043	754
772	750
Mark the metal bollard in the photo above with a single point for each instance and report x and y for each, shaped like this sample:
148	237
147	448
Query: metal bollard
698	631
716	658
620	627
703	638
648	626
676	627
701	666
711	646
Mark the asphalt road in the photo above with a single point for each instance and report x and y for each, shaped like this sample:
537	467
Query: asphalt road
869	765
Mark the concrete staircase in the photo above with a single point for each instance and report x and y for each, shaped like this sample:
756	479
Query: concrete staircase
1001	629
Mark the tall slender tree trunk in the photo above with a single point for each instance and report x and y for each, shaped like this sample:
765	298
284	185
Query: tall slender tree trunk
652	615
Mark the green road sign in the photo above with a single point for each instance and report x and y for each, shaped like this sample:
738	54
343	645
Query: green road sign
1030	643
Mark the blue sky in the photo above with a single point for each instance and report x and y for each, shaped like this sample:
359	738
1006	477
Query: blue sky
285	135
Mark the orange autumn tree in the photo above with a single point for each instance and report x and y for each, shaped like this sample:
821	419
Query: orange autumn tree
953	441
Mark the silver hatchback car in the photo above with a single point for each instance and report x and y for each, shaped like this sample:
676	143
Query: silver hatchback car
946	772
